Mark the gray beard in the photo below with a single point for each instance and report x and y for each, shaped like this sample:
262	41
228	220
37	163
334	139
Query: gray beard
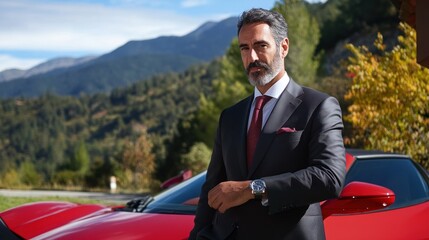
262	79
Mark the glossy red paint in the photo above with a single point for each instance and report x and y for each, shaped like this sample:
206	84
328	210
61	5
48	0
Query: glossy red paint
359	197
68	221
402	223
355	189
350	159
125	225
35	218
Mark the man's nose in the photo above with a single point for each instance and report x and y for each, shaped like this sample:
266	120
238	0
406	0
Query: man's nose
253	55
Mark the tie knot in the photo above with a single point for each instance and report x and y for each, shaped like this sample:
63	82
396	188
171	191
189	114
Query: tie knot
261	101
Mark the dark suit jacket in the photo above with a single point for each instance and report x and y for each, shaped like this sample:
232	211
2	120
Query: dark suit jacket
300	168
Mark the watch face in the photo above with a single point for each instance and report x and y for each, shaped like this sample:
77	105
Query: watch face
258	186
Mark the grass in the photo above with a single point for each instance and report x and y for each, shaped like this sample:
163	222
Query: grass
10	202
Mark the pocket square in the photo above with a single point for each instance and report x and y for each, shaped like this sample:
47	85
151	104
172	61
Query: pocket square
286	130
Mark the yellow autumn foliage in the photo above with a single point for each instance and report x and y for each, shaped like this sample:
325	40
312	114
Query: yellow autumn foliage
390	97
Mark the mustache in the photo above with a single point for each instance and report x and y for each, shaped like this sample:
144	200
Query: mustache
257	64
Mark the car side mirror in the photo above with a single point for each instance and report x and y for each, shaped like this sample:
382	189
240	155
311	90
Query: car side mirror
359	197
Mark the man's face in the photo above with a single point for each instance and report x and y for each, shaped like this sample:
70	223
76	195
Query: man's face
261	58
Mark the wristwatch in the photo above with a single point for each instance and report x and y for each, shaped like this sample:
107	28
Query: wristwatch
258	188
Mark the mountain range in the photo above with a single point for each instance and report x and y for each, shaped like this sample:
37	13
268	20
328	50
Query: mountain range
132	62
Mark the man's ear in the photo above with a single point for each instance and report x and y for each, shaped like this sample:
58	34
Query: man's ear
284	47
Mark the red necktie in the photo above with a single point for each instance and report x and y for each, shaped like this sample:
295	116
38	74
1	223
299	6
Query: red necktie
255	127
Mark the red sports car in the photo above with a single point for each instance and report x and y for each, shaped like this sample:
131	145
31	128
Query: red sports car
386	197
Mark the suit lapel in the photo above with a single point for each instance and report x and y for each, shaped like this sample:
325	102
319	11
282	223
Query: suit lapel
244	116
282	111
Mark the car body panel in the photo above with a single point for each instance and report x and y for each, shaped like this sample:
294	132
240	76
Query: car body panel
59	220
33	219
401	223
119	225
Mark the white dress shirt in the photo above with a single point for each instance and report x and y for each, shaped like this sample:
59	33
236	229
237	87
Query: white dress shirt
274	92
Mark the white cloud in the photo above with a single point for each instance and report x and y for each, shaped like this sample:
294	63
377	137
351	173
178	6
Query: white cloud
193	3
26	25
8	62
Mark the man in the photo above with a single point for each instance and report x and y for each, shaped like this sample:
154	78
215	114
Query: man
271	188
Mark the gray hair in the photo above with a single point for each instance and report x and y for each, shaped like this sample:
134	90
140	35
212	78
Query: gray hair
275	20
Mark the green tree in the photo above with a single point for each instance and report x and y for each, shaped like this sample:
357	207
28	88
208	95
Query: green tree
81	160
28	174
341	18
303	34
67	178
229	86
100	172
389	94
198	158
179	145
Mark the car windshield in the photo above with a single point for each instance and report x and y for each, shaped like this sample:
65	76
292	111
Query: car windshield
180	199
405	178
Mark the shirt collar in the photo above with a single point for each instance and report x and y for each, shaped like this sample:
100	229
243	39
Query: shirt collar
276	90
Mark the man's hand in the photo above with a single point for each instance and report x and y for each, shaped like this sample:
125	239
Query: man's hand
229	194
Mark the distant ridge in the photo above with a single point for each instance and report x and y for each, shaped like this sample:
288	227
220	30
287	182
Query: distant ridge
62	62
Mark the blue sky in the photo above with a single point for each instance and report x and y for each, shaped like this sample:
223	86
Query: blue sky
33	31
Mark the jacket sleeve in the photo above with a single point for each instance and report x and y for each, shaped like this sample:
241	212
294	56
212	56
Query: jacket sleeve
215	174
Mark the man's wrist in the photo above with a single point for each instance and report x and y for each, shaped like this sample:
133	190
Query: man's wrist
247	190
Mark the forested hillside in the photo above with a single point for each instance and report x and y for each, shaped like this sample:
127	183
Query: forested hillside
54	140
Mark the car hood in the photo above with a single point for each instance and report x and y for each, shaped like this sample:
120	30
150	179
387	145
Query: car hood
32	219
73	221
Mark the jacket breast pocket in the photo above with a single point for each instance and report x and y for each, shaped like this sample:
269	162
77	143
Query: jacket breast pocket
288	141
290	136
